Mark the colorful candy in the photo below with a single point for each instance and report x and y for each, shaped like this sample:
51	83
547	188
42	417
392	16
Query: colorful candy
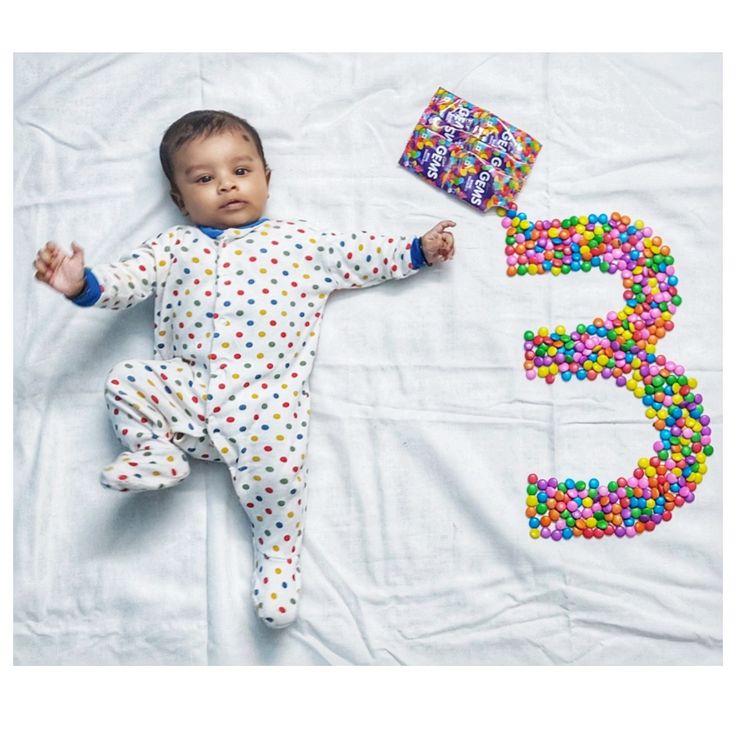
470	152
621	347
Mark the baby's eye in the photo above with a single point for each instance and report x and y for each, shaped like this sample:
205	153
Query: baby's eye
204	179
241	171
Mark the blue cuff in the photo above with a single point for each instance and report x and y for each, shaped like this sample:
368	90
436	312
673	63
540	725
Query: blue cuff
91	292
417	254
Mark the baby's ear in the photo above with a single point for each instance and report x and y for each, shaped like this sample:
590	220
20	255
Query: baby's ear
179	202
268	176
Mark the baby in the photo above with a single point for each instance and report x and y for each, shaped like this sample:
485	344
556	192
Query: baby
239	303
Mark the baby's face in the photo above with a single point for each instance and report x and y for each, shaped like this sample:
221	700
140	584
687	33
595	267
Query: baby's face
221	179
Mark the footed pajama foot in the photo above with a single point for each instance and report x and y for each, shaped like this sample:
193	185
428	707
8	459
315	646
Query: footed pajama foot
276	589
150	468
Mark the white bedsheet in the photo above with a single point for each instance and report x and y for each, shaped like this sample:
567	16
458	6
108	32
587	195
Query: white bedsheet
424	426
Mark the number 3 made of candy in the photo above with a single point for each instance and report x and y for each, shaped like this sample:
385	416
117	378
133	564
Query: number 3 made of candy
622	347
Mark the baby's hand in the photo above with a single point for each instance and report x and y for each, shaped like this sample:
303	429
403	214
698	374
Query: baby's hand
60	271
439	244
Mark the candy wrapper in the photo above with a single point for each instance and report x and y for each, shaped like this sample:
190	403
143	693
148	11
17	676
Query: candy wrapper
469	152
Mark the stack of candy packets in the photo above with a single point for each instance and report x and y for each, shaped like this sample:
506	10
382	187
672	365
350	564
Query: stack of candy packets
470	152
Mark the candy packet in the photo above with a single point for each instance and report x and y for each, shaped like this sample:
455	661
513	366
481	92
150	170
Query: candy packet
482	180
470	152
455	116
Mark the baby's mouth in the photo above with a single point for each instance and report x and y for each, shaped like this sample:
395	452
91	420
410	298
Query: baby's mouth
233	204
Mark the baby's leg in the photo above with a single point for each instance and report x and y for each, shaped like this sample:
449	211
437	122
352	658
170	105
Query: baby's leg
152	403
277	519
271	486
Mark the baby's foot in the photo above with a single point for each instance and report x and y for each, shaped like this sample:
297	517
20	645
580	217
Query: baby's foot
151	467
276	588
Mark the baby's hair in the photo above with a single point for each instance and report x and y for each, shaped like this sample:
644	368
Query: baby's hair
202	123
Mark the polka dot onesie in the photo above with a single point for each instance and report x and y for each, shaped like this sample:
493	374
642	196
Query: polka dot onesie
237	319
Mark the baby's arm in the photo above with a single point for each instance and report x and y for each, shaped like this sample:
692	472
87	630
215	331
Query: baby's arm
363	259
115	286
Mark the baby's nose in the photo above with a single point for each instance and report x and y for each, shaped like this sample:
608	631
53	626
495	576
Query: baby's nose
226	184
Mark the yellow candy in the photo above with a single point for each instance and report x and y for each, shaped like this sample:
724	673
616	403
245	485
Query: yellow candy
534	533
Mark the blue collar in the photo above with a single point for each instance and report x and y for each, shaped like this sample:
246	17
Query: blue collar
214	232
